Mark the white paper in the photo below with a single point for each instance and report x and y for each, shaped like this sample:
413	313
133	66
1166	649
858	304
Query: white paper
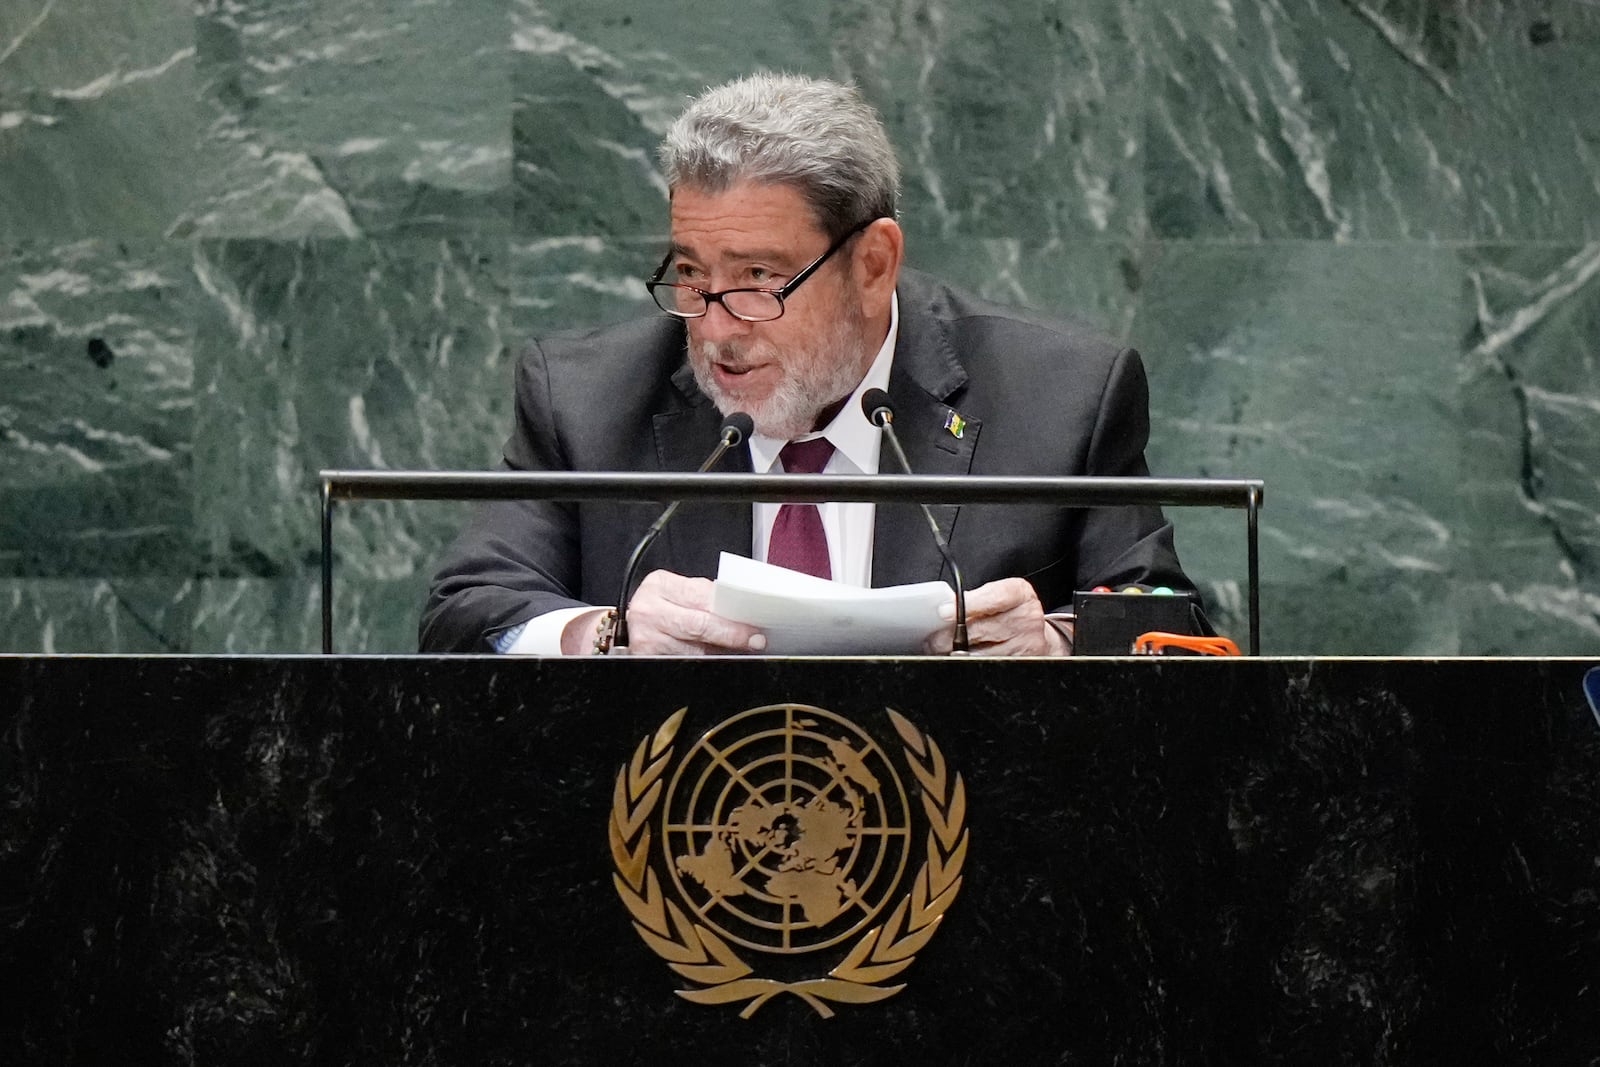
807	616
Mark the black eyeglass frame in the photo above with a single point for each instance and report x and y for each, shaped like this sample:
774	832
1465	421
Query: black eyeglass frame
781	294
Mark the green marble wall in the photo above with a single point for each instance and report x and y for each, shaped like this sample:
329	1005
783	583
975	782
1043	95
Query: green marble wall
1358	243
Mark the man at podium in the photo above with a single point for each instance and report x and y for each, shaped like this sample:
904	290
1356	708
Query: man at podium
783	295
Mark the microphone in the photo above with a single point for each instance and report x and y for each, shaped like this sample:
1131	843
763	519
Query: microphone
735	429
879	410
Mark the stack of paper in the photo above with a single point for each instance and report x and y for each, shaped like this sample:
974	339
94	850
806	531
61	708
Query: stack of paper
806	616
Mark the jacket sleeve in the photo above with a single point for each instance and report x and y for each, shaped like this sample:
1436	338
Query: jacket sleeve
516	559
1125	545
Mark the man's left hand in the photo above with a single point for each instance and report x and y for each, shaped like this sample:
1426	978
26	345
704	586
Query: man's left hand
1005	618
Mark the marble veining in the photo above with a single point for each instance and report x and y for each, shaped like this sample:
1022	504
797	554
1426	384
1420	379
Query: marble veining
1353	239
411	136
1532	380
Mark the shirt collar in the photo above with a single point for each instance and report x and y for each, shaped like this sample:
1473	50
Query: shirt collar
853	437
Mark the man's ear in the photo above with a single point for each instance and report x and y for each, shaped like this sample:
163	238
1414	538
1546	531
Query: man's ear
880	250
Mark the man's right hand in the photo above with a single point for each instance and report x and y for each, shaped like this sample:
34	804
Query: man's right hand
670	615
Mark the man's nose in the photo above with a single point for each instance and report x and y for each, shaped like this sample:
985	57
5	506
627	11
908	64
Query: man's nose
719	324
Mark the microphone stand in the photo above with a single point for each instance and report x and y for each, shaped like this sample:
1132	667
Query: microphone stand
881	415
735	428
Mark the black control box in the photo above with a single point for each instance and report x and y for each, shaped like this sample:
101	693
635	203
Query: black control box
1109	623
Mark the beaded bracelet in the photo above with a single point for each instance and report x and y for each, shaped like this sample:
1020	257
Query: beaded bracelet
605	630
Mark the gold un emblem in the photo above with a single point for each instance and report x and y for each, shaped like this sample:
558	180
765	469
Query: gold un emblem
784	835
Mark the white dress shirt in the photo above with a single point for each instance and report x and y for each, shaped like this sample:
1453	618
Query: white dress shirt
855	451
856	443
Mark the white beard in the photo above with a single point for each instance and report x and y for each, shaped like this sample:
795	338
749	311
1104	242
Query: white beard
814	377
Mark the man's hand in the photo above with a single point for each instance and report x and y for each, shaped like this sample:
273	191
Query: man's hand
670	615
1005	618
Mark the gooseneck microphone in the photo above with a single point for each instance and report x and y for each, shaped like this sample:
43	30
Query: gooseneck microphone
879	410
736	428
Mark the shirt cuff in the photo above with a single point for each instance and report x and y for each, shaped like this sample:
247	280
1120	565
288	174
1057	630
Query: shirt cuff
505	639
1066	624
539	636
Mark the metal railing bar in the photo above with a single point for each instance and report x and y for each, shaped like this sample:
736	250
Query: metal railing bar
799	488
337	485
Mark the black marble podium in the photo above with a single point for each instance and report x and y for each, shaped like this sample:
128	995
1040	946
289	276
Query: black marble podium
405	860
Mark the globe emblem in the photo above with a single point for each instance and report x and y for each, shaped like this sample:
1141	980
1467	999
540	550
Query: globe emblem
786	828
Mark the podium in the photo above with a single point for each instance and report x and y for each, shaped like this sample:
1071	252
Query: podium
412	860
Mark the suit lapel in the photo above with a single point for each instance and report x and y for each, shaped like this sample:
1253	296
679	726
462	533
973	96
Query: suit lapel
699	531
925	378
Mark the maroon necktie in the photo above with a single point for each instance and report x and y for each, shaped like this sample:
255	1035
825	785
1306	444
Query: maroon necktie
798	540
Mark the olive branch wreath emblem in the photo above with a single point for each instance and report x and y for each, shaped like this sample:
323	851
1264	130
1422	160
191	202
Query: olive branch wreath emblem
698	954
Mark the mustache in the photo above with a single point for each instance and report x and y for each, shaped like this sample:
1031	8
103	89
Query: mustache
727	353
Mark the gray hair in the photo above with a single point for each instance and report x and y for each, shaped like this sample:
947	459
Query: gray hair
821	137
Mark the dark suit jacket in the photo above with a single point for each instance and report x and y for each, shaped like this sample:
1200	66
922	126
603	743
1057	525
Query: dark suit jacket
1038	397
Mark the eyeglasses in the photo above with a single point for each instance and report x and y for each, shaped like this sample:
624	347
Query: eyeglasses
747	305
